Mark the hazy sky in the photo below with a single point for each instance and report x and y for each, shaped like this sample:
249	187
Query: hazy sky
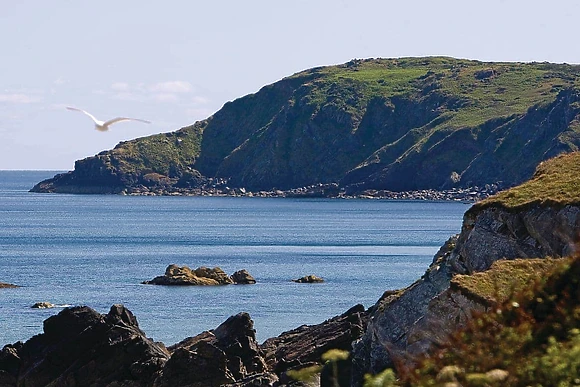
176	62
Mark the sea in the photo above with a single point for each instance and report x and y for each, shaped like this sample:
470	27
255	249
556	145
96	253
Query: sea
96	250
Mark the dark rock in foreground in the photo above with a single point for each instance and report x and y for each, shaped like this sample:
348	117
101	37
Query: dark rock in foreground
80	347
227	354
308	279
305	345
183	275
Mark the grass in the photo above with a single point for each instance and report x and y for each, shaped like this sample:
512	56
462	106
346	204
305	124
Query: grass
512	89
503	279
556	182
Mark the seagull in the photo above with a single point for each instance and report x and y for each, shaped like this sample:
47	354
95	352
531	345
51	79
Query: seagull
103	126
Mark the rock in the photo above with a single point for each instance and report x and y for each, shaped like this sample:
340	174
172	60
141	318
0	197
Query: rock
407	323
305	345
309	279
242	277
228	354
176	275
82	347
4	285
43	305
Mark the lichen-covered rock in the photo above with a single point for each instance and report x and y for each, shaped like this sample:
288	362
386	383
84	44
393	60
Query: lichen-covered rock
183	275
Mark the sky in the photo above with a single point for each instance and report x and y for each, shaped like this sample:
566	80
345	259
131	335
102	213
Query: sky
175	62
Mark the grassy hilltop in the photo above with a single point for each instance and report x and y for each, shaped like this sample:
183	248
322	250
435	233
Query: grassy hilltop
397	124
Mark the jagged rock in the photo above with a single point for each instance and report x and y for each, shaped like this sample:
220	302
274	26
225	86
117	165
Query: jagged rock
43	305
228	354
308	279
404	323
305	345
183	275
5	285
242	277
82	347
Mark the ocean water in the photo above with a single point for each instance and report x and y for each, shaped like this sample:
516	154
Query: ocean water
96	250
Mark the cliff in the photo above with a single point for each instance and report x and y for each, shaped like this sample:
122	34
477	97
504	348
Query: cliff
386	124
537	219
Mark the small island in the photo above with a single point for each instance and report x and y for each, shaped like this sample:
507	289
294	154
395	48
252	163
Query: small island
5	285
183	275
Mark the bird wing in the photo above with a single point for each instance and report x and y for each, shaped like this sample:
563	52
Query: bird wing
119	119
87	113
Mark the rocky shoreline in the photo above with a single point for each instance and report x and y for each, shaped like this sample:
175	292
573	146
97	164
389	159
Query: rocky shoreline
221	189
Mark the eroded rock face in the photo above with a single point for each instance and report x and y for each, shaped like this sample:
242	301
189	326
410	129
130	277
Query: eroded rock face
80	347
305	345
407	323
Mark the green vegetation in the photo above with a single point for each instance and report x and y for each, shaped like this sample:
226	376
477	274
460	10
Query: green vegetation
162	154
556	182
502	280
487	89
532	339
394	124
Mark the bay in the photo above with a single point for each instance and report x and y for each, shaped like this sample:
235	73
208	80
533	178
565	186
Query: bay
96	250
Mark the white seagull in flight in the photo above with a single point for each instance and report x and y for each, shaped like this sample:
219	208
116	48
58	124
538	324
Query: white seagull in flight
103	126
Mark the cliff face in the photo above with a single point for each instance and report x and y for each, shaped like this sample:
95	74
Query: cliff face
408	323
395	124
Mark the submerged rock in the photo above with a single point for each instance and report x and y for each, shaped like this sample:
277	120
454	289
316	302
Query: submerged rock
43	305
308	279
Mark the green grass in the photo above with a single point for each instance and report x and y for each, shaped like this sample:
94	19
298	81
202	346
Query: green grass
556	182
513	89
503	279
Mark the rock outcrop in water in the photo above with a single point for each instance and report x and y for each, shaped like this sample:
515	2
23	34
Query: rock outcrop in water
5	285
183	275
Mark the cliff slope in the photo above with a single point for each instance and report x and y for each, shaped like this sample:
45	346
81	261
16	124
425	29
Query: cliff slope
396	124
538	219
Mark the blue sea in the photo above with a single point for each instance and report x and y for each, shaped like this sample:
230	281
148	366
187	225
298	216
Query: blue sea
96	250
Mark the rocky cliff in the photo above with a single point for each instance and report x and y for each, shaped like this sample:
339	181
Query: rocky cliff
538	219
394	124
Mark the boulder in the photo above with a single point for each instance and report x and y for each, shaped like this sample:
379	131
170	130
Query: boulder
242	277
228	354
80	347
309	279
